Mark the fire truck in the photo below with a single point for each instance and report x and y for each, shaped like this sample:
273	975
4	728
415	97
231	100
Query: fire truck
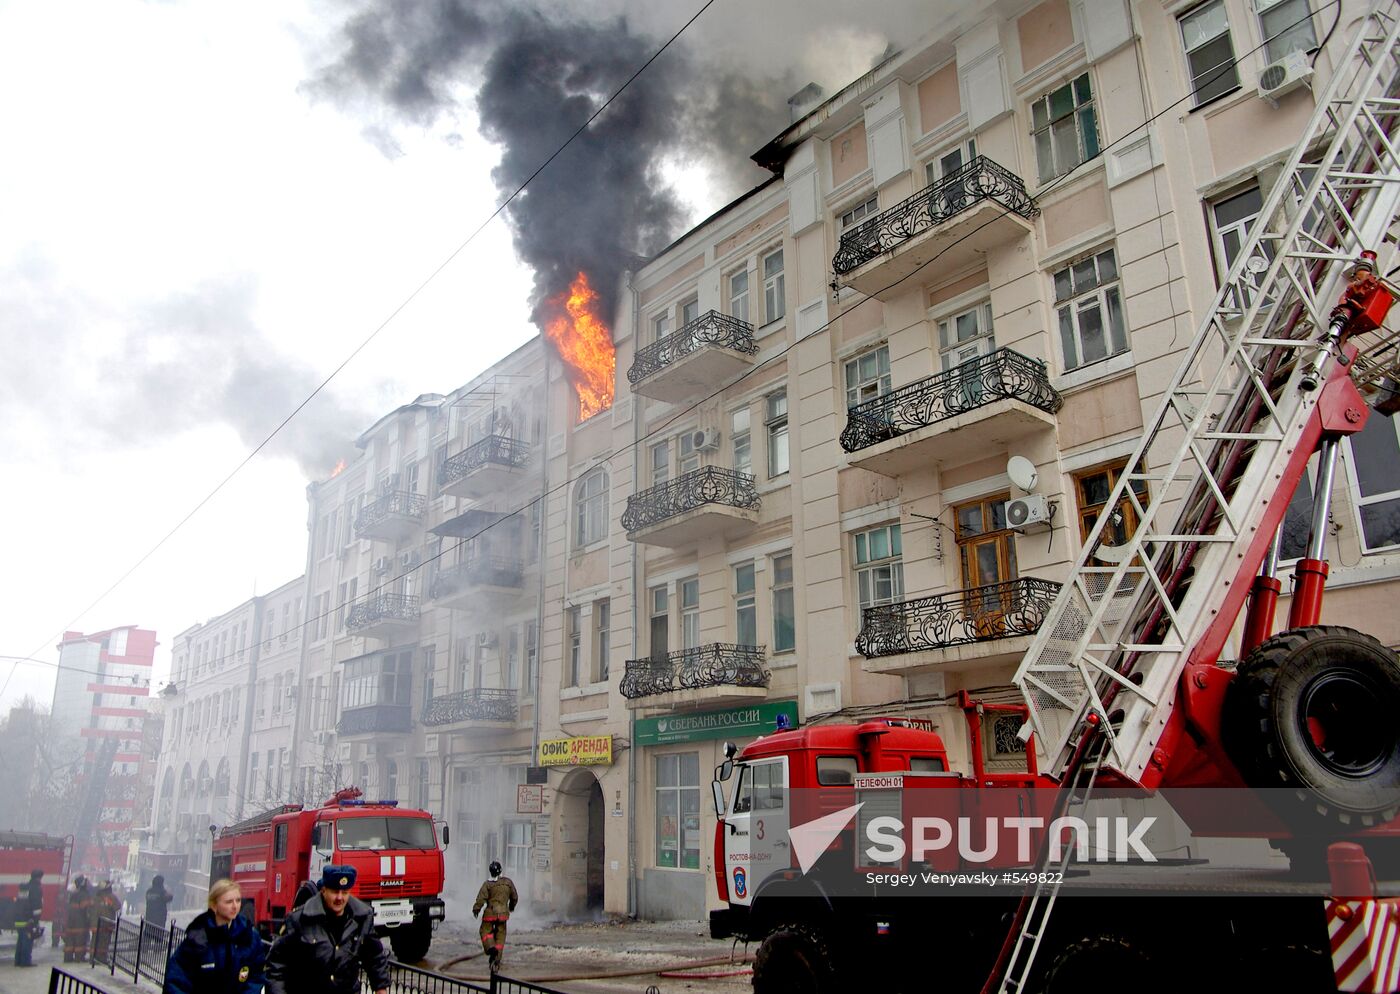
21	853
399	867
1127	686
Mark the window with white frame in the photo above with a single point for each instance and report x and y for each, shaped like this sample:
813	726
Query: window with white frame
573	628
690	310
660	327
688	591
774	301
602	637
1090	310
660	462
660	623
678	810
1375	464
784	605
879	561
859	212
1232	218
777	423
1287	26
687	456
519	838
739	441
868	376
739	294
1210	55
950	161
1065	128
591	508
965	335
745	605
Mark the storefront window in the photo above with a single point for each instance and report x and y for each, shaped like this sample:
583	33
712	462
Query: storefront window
678	810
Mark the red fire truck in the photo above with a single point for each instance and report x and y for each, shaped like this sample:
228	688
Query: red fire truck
21	853
399	866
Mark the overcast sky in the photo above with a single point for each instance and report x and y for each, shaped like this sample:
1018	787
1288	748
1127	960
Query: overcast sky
194	232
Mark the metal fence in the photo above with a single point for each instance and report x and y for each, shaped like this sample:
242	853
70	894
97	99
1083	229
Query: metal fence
63	982
135	947
411	980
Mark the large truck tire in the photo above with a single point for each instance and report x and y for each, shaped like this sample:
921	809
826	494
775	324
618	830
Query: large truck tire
1309	718
411	942
1084	963
793	959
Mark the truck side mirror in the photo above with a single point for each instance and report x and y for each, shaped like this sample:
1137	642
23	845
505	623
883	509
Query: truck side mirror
719	798
726	770
446	836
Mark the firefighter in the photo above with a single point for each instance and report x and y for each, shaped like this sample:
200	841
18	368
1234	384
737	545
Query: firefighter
105	906
325	943
77	926
221	952
158	902
498	897
29	907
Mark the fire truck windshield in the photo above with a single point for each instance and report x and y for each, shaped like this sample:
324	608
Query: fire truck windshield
384	833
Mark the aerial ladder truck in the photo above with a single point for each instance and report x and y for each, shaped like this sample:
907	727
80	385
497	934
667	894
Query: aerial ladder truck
1126	685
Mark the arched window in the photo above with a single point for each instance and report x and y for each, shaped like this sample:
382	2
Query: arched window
186	782
204	782
591	508
167	783
221	780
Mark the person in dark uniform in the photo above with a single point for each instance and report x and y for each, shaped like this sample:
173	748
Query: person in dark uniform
498	897
29	906
158	902
324	944
77	926
221	953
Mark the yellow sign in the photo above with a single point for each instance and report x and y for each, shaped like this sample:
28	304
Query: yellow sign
586	750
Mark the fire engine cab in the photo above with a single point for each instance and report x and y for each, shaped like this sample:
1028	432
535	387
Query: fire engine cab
394	851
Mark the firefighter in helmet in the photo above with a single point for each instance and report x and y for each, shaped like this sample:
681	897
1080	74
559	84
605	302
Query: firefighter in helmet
498	897
77	926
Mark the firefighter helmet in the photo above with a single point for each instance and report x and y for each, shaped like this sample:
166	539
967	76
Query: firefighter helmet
495	868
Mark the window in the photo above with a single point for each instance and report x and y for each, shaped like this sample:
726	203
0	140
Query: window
573	627
678	810
1375	461
661	326
926	764
660	623
423	775
689	593
1210	56
836	771
519	838
739	440
1090	310
879	558
690	310
966	335
777	434
378	680
1064	128
988	557
532	644
511	663
760	788
1297	522
687	457
868	376
774	304
590	505
950	161
1233	217
429	675
391	777
602	637
860	212
745	605
660	463
1092	489
739	294
784	609
1287	26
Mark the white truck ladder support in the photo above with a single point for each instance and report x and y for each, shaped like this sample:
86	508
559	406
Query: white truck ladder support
1226	423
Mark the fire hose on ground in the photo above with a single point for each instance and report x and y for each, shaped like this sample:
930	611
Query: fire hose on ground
679	970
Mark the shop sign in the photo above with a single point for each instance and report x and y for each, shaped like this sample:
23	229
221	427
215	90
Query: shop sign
529	799
736	723
584	750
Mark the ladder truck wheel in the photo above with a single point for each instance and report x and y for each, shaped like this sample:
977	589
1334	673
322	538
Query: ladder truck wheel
1309	718
1085	963
793	959
411	942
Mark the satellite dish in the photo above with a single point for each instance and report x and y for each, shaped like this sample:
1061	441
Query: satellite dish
1022	473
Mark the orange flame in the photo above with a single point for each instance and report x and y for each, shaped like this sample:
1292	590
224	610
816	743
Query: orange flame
339	468
584	342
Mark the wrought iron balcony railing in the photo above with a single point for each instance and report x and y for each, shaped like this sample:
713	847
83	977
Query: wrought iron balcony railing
979	179
500	450
958	617
710	329
716	665
375	719
398	504
1003	374
381	607
707	485
477	704
490	571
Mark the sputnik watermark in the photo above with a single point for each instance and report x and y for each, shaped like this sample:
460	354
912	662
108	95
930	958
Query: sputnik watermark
1110	840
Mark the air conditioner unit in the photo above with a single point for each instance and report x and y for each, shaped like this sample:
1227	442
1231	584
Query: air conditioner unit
704	440
486	639
1284	76
410	559
382	564
1027	514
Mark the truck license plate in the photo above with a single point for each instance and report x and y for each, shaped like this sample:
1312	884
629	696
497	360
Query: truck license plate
392	912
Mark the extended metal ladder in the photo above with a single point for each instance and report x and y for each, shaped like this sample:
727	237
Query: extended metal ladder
1227	420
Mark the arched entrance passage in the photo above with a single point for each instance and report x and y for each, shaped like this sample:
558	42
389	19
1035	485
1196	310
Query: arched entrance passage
579	862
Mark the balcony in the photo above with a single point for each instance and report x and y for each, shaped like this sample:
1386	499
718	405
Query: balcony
718	673
393	517
491	465
704	502
375	719
705	352
973	410
989	625
479	707
956	221
478	582
383	616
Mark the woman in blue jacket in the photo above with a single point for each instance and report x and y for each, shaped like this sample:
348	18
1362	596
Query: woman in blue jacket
221	954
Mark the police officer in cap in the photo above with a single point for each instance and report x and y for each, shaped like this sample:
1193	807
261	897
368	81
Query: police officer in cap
324	943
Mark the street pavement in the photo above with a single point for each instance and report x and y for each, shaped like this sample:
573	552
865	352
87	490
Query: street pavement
35	979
